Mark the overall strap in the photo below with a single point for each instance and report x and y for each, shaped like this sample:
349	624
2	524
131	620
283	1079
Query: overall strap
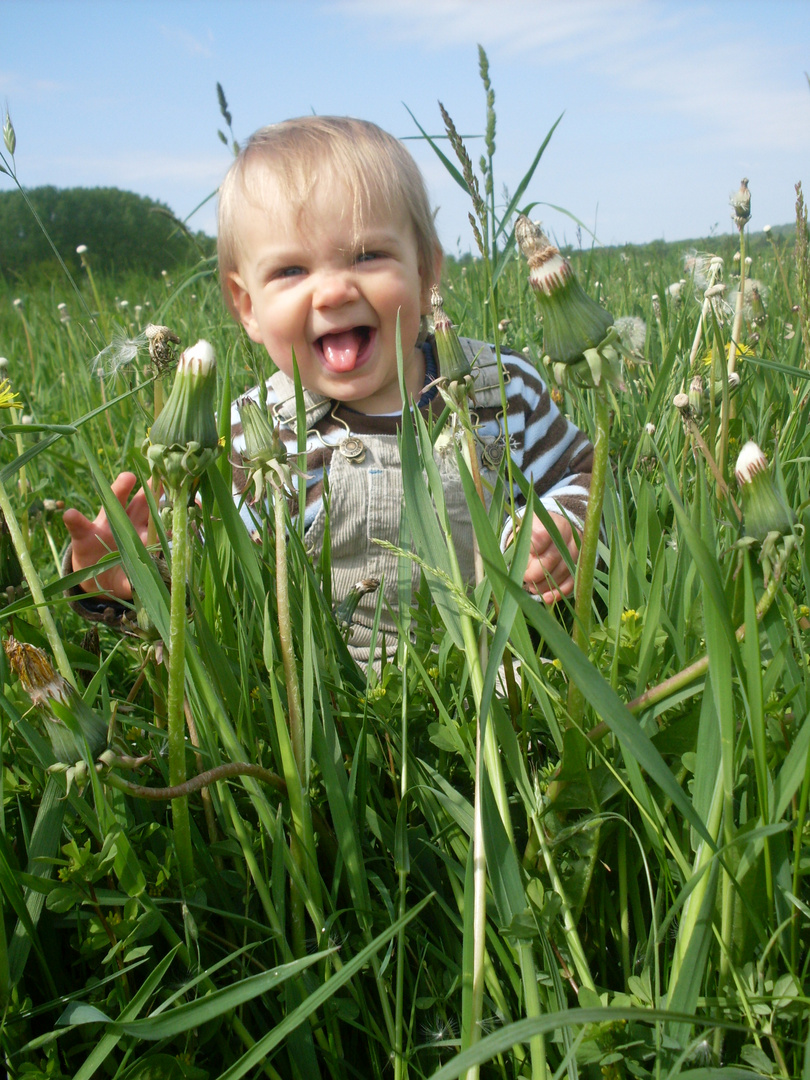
485	372
284	410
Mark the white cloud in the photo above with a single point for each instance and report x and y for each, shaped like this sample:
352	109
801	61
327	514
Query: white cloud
692	61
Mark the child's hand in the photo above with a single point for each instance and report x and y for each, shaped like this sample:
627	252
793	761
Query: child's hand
92	540
547	574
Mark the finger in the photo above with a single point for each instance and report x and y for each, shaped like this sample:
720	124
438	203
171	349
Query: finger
561	589
122	486
138	510
76	523
545	567
541	541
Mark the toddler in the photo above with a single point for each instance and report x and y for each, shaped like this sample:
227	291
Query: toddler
326	238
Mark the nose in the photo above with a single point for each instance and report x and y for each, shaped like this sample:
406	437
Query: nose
334	288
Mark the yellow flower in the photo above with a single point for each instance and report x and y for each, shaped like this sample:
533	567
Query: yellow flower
8	399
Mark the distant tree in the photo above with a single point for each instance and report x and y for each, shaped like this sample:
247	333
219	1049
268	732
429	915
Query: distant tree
122	230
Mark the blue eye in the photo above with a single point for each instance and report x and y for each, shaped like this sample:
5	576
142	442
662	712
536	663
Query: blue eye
368	256
289	272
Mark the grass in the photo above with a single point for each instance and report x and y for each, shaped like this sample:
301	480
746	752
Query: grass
644	910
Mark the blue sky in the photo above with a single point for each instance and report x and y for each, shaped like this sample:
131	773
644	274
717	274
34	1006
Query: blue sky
667	103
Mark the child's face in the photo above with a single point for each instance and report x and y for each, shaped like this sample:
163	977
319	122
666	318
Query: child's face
316	284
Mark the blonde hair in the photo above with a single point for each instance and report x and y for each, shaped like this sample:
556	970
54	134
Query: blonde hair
299	154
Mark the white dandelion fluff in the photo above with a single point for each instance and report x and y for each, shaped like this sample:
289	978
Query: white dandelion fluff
120	353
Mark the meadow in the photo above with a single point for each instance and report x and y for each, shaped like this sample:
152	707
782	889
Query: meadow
593	866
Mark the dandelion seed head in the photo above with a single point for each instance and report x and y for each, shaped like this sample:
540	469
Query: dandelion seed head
633	332
17	302
675	291
440	1030
491	1023
81	249
120	353
702	1053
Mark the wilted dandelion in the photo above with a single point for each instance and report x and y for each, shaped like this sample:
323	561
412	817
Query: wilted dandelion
741	204
704	267
675	291
764	509
755	293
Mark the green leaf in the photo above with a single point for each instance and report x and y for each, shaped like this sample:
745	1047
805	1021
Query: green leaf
204	1010
402	855
448	164
524	183
80	1012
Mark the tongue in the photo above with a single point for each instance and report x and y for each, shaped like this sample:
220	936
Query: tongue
340	350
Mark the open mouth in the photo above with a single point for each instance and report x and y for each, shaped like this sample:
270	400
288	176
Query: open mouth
343	351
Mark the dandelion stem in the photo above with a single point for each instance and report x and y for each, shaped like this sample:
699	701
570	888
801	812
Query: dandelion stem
297	848
401	857
722	486
177	672
589	548
738	311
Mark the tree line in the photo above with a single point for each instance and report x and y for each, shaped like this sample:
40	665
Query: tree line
122	231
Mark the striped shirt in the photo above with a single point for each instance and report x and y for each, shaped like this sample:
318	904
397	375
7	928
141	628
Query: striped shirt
550	451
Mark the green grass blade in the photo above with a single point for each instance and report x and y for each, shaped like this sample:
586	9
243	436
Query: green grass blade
315	1000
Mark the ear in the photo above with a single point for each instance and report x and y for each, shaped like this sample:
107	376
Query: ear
242	306
430	279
